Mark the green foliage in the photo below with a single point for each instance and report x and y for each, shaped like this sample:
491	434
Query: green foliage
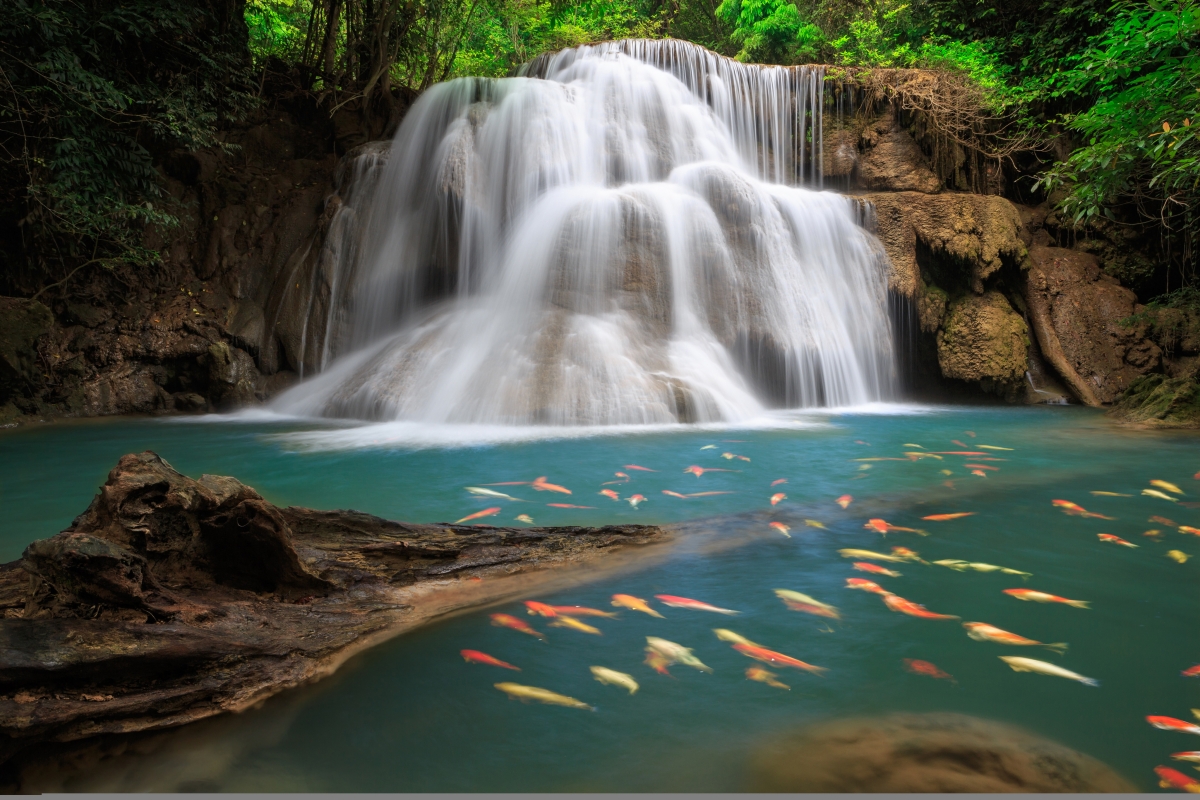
771	31
277	28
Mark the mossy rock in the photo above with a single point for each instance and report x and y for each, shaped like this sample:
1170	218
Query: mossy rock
1161	402
984	341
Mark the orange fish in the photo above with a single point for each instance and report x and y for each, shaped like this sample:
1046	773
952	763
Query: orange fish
864	566
477	657
1076	510
904	552
637	468
1172	724
634	604
636	500
619	475
845	500
707	494
784	529
960	444
866	586
1108	537
568	505
610	493
541	485
979	472
918	667
669	493
982	632
946	517
885	527
686	602
1174	779
1189	529
698	471
777	482
778	498
540	609
959	453
1170	523
1042	597
897	603
982	466
657	661
582	611
509	621
1191	672
487	512
777	659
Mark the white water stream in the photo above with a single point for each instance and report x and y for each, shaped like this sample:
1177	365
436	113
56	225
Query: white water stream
622	239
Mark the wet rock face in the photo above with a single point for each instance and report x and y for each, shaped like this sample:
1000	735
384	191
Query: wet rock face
938	752
891	160
22	324
983	340
1082	320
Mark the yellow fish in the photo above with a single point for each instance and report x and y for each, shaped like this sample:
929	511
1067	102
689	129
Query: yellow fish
1170	487
524	518
634	604
765	676
523	693
993	447
1177	556
726	635
571	622
870	555
614	678
812	523
1111	494
1158	494
947	472
910	444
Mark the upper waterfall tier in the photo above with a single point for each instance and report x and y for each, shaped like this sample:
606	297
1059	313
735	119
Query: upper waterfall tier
619	239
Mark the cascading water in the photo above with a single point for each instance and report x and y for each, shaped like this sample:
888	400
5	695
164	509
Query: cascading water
615	237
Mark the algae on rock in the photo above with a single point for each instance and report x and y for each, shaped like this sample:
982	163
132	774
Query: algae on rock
984	340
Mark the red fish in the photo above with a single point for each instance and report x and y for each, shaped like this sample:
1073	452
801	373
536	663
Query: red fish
487	512
1108	537
865	566
1189	529
778	498
636	500
566	505
540	609
619	475
541	485
1172	724
779	526
982	466
478	657
919	667
1174	779
509	621
610	494
947	517
1076	510
778	659
1191	672
845	500
897	603
1170	523
777	482
637	468
695	605
698	471
885	527
669	493
960	444
866	586
657	662
1043	597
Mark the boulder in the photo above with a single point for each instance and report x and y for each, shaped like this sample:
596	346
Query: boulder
983	340
233	379
22	324
891	161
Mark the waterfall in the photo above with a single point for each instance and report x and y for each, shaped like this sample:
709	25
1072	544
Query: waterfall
619	235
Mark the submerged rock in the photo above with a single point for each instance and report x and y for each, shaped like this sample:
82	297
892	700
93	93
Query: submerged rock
938	752
170	599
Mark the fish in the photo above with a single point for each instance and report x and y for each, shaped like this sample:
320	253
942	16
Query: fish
993	447
918	667
1153	533
779	481
582	611
726	635
982	632
850	552
1170	487
1158	494
709	447
614	678
569	505
698	471
778	498
845	500
1174	779
655	661
979	472
1110	494
960	444
574	624
1043	597
898	603
779	526
959	453
885	527
610	494
1076	510
812	523
946	472
676	653
765	676
1172	724
777	659
948	517
695	605
1022	664
1108	537
1191	672
478	657
481	492
983	466
863	566
636	468
541	485
910	444
730	456
487	512
619	475
1187	755
1178	556
636	500
669	493
798	601
523	693
634	604
524	518
979	566
509	621
906	553
868	444
707	494
1189	529
866	586
913	455
534	608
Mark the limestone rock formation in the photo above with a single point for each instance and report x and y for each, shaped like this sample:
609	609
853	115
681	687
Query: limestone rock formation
983	340
891	160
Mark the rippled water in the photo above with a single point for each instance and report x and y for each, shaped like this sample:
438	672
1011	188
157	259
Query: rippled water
412	716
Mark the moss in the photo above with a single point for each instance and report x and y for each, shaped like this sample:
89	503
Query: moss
984	341
1161	402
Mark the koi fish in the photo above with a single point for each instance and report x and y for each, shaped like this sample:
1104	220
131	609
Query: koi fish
993	447
779	526
478	657
845	500
1174	779
731	456
1170	487
982	632
619	475
698	471
568	505
481	492
655	661
636	500
765	676
866	586
904	552
1191	672
614	678
979	566
541	485
1110	494
885	527
798	601
1108	537
709	447
574	624
1021	664
634	604
524	518
610	494
918	667
853	553
636	468
960	444
779	481
707	494
1187	755
726	635
1172	724
947	517
1177	556
582	611
778	498
946	472
776	659
913	455
863	566
523	693
812	523
959	453
1158	494
1042	597
1077	511
1153	533
487	512
676	653
1189	529
910	444
897	603
695	605
509	621
669	493
982	466
534	608
979	472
